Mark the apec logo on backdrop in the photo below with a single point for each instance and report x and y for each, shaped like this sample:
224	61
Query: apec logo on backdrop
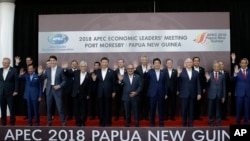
58	38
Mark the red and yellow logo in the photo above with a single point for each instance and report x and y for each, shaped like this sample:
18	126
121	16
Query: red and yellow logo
201	38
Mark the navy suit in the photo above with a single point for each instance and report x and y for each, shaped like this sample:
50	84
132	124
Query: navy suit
80	92
136	86
33	90
170	104
216	91
7	88
189	89
105	88
242	94
51	93
157	91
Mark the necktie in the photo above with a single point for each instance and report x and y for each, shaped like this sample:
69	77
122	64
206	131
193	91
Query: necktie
244	74
31	76
216	76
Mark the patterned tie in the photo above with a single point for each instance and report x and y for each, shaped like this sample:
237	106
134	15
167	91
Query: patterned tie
244	74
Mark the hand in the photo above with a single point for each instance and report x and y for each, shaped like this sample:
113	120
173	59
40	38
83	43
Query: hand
166	96
15	93
229	93
115	66
64	65
120	77
113	95
233	57
207	75
236	69
177	93
87	97
17	60
223	100
149	67
204	90
132	94
56	87
40	69
93	76
39	99
135	64
198	97
91	70
179	70
21	72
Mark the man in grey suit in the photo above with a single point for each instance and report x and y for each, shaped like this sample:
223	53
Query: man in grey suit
216	94
8	89
55	81
132	86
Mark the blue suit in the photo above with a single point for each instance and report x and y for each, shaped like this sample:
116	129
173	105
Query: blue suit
51	93
216	91
242	95
157	91
136	86
33	90
189	89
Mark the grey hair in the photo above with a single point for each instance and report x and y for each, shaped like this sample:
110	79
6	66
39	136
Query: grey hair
83	63
144	57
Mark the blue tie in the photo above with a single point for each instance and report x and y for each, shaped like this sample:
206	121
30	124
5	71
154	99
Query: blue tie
31	76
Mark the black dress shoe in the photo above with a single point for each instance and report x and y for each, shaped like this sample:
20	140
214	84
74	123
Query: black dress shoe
25	118
48	124
69	118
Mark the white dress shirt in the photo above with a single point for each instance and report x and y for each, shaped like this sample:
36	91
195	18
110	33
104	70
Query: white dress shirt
189	72
144	68
157	72
104	72
197	69
53	75
5	72
121	71
170	72
131	78
82	77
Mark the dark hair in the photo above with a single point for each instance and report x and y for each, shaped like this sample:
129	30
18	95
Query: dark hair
156	59
97	63
74	61
104	58
47	60
53	57
196	57
29	58
30	65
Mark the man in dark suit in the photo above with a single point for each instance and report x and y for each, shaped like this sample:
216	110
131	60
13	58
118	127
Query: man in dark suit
106	88
32	94
170	103
199	106
132	86
80	92
144	100
117	100
93	92
55	81
157	91
190	91
242	91
8	89
228	90
67	90
216	94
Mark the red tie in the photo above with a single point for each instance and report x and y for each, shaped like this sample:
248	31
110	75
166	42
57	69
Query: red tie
244	74
216	76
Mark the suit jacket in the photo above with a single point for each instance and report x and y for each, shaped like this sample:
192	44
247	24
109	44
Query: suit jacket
157	86
242	86
10	84
60	79
172	81
227	81
202	77
144	78
82	89
106	87
33	88
189	88
136	86
119	87
216	88
69	81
